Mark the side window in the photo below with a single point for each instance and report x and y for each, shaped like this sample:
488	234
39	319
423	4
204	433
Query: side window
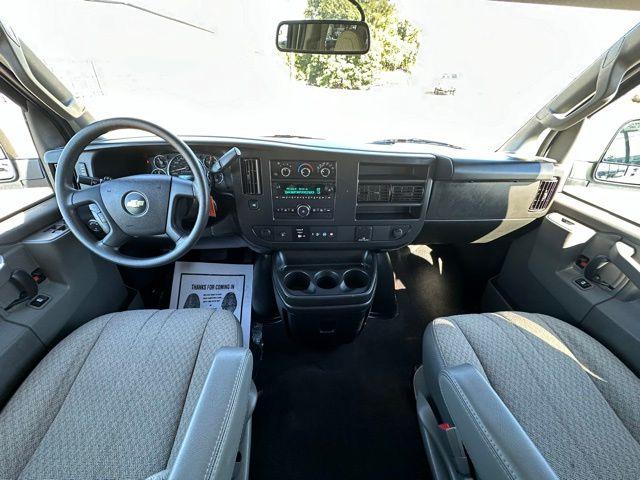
606	159
22	180
621	161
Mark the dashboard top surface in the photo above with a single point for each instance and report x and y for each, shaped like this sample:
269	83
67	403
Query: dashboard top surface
396	149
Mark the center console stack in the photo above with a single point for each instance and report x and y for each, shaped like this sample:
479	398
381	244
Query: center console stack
327	220
303	189
300	200
324	301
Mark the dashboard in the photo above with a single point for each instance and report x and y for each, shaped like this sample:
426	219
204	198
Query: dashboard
287	195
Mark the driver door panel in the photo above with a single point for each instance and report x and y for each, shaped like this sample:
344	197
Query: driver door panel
79	287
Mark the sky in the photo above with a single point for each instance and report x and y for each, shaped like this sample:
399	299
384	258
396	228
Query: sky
511	58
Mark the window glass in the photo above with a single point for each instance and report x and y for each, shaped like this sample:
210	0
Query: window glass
15	128
22	180
606	159
465	72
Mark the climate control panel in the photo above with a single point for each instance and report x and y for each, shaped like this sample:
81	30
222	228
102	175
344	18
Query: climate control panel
302	170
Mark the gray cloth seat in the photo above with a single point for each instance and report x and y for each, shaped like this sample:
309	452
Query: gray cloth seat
533	397
126	396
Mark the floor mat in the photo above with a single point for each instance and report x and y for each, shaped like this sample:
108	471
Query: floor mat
349	413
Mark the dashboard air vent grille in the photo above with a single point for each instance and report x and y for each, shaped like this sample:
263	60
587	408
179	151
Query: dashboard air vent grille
250	176
544	195
407	193
387	193
373	193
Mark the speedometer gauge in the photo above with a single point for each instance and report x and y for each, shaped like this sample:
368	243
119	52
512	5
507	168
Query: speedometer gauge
178	167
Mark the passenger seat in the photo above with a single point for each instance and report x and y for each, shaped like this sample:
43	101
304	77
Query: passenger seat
519	395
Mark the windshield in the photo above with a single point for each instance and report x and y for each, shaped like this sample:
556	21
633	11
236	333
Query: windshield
463	72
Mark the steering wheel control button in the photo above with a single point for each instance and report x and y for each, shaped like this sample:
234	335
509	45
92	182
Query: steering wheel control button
81	169
303	210
254	204
99	219
135	203
363	234
94	226
39	301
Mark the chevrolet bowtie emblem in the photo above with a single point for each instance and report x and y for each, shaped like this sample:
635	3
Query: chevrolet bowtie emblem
135	203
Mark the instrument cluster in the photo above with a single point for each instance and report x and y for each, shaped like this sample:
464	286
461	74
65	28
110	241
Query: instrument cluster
176	165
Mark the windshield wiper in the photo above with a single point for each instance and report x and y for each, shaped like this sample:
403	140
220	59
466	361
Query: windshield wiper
393	141
124	3
304	137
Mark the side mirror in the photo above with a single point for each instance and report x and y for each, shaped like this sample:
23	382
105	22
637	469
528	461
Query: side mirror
335	37
621	162
8	169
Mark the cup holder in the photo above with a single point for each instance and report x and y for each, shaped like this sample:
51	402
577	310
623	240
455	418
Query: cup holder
355	279
327	279
326	282
297	281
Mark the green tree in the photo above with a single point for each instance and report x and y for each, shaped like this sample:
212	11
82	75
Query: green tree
394	46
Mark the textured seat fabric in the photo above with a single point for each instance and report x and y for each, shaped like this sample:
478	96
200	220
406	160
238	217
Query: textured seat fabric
113	400
577	402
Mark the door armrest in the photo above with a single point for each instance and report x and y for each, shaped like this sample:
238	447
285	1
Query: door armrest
621	255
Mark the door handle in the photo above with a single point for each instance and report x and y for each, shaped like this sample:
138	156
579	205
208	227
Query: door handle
621	255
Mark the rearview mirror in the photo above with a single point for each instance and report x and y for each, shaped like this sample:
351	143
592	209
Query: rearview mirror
336	37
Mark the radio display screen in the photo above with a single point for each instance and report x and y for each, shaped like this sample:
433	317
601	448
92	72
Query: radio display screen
302	190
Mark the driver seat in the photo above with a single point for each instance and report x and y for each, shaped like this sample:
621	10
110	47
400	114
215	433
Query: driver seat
136	395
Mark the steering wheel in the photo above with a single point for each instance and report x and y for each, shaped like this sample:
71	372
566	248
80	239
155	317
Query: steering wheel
131	207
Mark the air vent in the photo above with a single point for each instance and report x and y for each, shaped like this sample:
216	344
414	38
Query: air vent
373	193
407	193
251	176
386	193
544	195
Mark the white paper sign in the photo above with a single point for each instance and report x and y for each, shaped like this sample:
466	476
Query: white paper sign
215	286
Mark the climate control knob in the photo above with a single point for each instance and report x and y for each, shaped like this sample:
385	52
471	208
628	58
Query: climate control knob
305	169
303	210
325	172
285	171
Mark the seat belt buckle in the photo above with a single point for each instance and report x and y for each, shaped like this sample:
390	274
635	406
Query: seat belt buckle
457	449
